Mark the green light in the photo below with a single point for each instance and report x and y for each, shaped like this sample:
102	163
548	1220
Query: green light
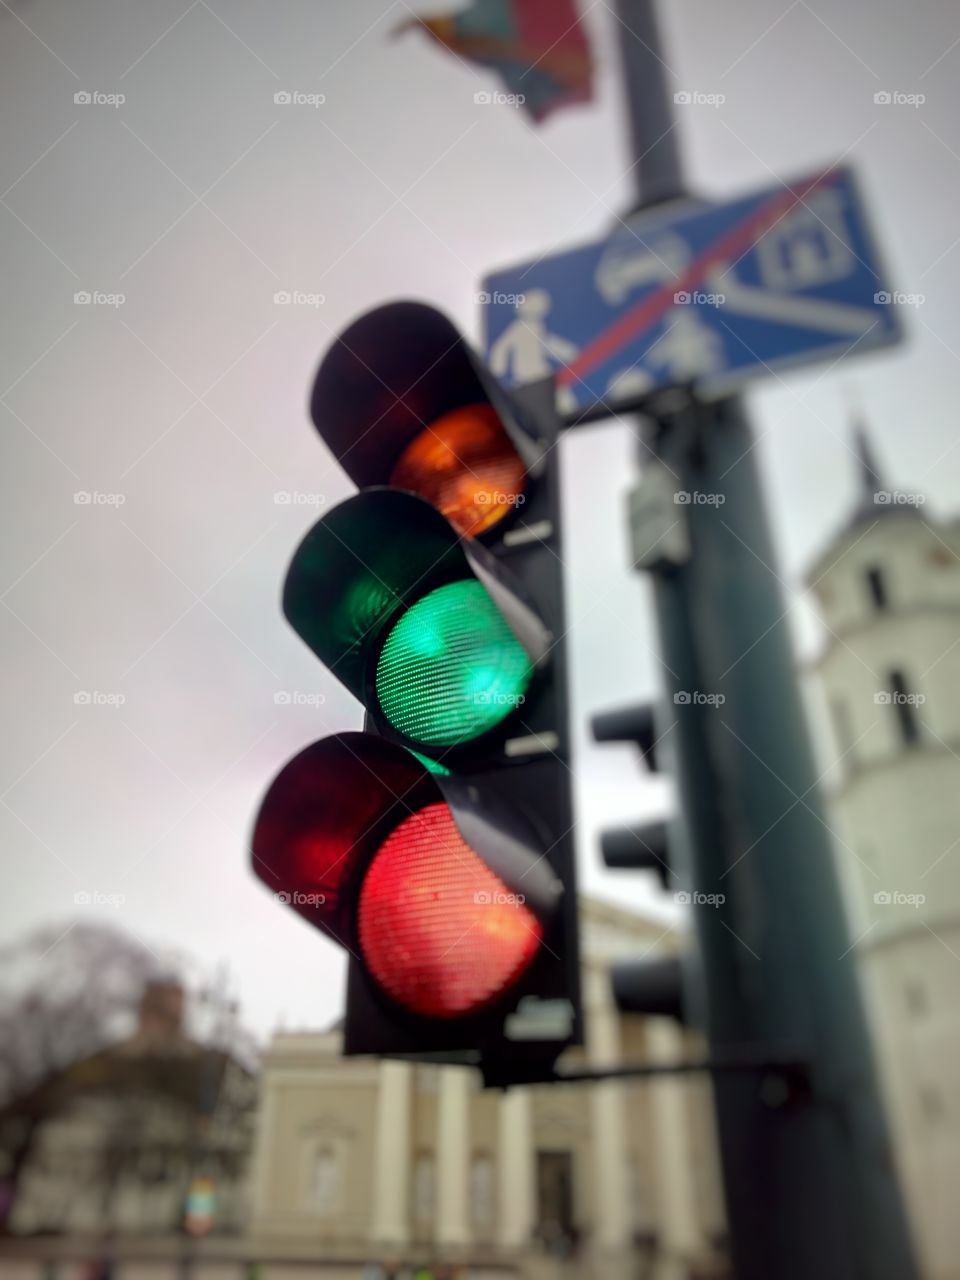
451	667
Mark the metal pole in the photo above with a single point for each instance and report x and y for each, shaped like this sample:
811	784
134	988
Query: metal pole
809	1181
654	137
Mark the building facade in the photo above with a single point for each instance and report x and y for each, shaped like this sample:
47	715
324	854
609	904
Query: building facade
360	1162
122	1146
888	592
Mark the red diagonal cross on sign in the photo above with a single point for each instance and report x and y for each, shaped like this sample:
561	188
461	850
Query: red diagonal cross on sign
648	311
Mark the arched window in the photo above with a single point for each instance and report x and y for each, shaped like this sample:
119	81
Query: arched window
877	588
905	709
323	1190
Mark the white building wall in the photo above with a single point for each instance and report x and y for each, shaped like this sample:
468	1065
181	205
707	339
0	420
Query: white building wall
396	1118
896	813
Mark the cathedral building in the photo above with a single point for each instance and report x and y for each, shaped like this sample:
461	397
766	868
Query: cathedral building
887	589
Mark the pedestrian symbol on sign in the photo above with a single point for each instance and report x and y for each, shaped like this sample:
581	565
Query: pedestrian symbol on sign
526	351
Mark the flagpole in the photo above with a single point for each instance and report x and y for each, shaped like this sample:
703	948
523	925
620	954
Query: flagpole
809	1181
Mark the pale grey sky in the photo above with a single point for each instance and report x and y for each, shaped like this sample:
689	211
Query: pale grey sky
197	199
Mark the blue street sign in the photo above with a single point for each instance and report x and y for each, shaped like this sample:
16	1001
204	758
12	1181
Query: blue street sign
704	294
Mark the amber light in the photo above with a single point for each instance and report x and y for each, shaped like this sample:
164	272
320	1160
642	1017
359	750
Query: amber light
438	930
466	466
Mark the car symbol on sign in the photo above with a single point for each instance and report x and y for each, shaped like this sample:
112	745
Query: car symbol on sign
628	266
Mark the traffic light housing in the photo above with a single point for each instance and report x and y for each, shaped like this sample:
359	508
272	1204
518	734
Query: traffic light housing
653	987
644	846
659	986
436	845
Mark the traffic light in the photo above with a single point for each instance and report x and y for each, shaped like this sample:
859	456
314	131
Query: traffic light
661	985
642	846
436	845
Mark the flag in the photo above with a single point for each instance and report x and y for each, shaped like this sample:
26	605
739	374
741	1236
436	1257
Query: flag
538	47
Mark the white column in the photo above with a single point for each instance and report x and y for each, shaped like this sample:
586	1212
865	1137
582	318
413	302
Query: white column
264	1172
613	1217
390	1223
453	1156
674	1189
516	1169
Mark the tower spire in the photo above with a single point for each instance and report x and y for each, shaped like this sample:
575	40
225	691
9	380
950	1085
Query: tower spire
869	480
874	496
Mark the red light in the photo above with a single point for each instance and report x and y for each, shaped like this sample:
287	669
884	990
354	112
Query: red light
439	932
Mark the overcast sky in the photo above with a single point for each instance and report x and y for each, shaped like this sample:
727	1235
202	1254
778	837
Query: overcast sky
197	199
